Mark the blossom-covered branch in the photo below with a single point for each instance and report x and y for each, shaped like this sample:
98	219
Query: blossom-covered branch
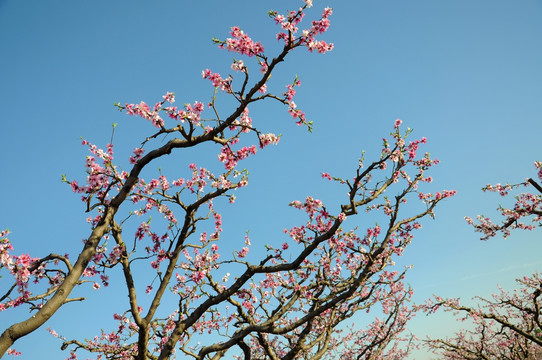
528	206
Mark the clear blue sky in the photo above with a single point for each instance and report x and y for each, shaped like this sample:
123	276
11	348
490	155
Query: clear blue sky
465	74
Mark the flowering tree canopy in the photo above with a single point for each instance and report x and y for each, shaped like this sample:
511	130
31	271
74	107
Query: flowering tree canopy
508	326
291	303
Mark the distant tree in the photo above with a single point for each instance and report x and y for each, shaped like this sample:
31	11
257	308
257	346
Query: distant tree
508	326
290	304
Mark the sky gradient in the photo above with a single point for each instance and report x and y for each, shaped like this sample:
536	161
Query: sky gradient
465	74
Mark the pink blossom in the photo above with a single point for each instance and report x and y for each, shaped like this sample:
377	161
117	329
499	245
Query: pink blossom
263	67
169	97
266	139
241	43
238	65
13	352
326	175
243	253
217	80
320	46
138	152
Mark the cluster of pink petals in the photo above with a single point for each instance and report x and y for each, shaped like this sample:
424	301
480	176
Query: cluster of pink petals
241	43
538	166
138	153
100	176
19	266
244	121
238	65
13	352
437	196
503	190
217	80
169	97
326	175
310	205
263	67
192	113
5	247
244	252
231	158
143	110
290	93
267	139
319	27
289	23
296	114
320	46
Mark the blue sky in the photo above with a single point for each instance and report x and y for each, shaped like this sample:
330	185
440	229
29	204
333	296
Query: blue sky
464	74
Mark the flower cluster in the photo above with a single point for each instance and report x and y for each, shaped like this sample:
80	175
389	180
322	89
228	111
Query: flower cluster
21	267
217	80
101	176
241	43
267	139
238	65
294	112
244	121
230	158
143	110
290	24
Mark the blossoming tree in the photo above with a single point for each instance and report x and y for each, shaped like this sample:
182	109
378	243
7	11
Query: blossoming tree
288	304
508	326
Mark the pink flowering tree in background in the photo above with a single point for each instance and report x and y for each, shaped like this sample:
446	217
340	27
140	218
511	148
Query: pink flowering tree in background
296	301
508	326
